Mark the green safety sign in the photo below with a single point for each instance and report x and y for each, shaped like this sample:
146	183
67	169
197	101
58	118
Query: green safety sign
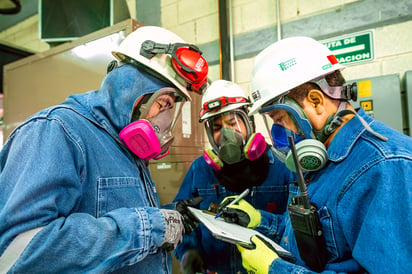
353	48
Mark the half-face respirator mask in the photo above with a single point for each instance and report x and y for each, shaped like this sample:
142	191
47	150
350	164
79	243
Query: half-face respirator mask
286	118
150	135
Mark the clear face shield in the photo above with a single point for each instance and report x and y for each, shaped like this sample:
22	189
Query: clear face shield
162	110
228	133
285	118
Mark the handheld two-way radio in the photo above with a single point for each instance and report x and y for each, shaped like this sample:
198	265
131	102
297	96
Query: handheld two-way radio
306	223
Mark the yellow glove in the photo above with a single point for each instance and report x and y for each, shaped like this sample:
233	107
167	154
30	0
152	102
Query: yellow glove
259	259
241	213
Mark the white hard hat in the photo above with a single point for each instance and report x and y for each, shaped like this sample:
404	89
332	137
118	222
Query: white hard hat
287	64
222	96
160	50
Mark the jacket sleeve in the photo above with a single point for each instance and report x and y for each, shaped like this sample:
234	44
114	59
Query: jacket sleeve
271	225
41	186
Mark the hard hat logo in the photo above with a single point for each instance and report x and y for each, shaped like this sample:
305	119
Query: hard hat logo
327	66
287	64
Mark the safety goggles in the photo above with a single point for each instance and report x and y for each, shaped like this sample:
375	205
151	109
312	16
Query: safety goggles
283	118
298	118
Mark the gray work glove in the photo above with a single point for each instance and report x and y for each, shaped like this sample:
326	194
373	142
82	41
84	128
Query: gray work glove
191	262
174	229
190	222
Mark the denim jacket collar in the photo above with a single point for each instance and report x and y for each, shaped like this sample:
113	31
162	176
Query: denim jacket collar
346	137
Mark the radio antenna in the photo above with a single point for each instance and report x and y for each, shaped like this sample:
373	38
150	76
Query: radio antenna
299	174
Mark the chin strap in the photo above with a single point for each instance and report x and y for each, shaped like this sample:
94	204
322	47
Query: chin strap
335	120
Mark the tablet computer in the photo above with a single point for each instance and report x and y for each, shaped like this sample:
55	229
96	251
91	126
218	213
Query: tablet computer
235	234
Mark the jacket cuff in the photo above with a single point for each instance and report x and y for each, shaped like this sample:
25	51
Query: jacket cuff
154	226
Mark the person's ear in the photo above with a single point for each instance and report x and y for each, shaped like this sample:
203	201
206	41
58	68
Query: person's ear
317	100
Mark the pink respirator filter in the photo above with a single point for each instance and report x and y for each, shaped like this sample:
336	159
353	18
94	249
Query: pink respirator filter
141	139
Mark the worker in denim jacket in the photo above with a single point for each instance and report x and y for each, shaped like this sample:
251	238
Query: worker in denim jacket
239	159
356	169
76	193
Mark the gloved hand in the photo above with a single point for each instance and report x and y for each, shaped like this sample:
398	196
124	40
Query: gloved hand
191	262
259	259
174	229
241	213
190	222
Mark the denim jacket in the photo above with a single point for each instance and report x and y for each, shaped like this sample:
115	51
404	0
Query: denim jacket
65	171
270	197
364	200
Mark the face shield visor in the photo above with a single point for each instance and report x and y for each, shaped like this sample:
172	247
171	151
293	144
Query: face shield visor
286	118
162	111
228	132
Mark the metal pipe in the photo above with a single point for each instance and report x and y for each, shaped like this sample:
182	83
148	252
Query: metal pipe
278	20
231	47
224	44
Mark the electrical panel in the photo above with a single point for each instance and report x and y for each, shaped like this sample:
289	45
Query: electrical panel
381	98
